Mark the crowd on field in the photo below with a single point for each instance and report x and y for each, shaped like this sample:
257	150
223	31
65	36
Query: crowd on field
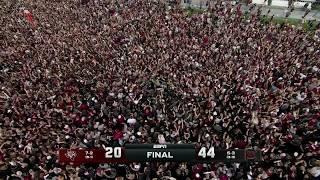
82	74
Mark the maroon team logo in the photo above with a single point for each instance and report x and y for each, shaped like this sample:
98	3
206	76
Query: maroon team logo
71	154
250	154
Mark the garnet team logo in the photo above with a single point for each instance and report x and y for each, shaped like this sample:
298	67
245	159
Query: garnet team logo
71	154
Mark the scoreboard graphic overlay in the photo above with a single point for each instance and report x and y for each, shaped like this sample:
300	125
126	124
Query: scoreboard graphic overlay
156	153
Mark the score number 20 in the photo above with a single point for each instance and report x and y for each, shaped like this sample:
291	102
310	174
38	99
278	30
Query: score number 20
112	152
204	153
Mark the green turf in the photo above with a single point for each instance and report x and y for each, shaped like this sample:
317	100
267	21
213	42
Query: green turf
315	6
277	20
191	11
291	21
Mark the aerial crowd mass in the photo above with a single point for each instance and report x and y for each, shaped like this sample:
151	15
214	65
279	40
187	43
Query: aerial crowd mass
82	74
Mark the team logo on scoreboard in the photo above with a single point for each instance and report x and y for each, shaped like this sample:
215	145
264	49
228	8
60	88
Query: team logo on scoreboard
71	154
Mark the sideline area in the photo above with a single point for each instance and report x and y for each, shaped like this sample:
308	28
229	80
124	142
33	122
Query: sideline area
277	11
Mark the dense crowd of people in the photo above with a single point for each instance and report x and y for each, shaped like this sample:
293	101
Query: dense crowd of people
90	73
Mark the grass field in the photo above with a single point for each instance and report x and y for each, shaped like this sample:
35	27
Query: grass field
316	7
192	11
307	25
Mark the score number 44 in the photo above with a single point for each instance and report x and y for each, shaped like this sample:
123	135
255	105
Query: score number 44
204	153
